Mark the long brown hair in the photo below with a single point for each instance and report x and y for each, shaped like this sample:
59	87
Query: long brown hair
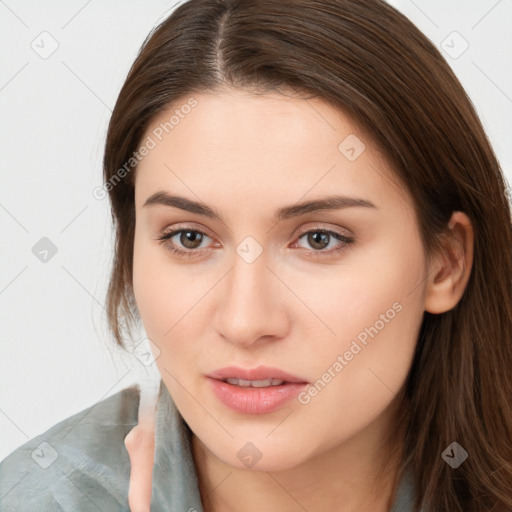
368	60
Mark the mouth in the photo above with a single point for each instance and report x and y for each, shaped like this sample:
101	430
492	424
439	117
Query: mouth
255	391
254	383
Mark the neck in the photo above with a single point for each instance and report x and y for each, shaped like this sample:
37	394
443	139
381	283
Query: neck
359	474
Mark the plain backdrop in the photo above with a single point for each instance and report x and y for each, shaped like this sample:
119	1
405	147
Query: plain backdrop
62	66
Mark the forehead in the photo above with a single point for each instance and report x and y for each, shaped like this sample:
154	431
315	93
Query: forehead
270	121
235	144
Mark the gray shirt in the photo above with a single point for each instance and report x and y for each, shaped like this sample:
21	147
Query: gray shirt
81	464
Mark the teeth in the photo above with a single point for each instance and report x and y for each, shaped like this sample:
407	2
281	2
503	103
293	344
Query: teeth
255	383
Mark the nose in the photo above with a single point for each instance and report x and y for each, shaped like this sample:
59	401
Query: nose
252	304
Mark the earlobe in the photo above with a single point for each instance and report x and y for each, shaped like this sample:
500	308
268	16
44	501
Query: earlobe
449	270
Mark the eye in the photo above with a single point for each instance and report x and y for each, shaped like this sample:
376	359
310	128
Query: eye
190	239
319	239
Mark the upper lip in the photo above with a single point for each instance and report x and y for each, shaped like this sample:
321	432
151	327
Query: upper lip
258	373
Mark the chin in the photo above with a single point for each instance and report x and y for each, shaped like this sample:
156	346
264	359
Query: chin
261	455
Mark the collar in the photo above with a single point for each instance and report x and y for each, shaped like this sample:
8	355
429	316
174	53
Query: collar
175	485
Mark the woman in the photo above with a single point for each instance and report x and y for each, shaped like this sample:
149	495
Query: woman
314	230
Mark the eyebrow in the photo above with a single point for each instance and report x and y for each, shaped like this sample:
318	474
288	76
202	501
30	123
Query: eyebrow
333	202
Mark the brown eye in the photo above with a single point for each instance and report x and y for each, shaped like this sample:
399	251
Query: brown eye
320	239
189	239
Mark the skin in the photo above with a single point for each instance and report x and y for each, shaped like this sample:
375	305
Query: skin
245	156
140	444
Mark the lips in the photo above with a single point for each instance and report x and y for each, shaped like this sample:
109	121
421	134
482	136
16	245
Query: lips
254	391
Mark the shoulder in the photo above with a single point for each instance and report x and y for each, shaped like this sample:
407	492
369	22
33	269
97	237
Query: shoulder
80	463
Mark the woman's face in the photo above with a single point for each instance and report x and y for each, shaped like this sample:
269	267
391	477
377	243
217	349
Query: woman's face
330	299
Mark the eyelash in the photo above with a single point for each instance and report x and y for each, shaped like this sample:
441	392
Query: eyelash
165	237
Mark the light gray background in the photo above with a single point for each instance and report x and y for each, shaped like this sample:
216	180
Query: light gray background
56	355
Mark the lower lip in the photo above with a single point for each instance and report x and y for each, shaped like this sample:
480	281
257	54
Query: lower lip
255	400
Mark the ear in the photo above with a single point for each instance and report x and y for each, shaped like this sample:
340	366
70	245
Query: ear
450	267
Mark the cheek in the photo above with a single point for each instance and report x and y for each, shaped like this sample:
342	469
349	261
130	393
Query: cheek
148	287
168	298
356	377
375	310
160	290
375	335
160	293
375	293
